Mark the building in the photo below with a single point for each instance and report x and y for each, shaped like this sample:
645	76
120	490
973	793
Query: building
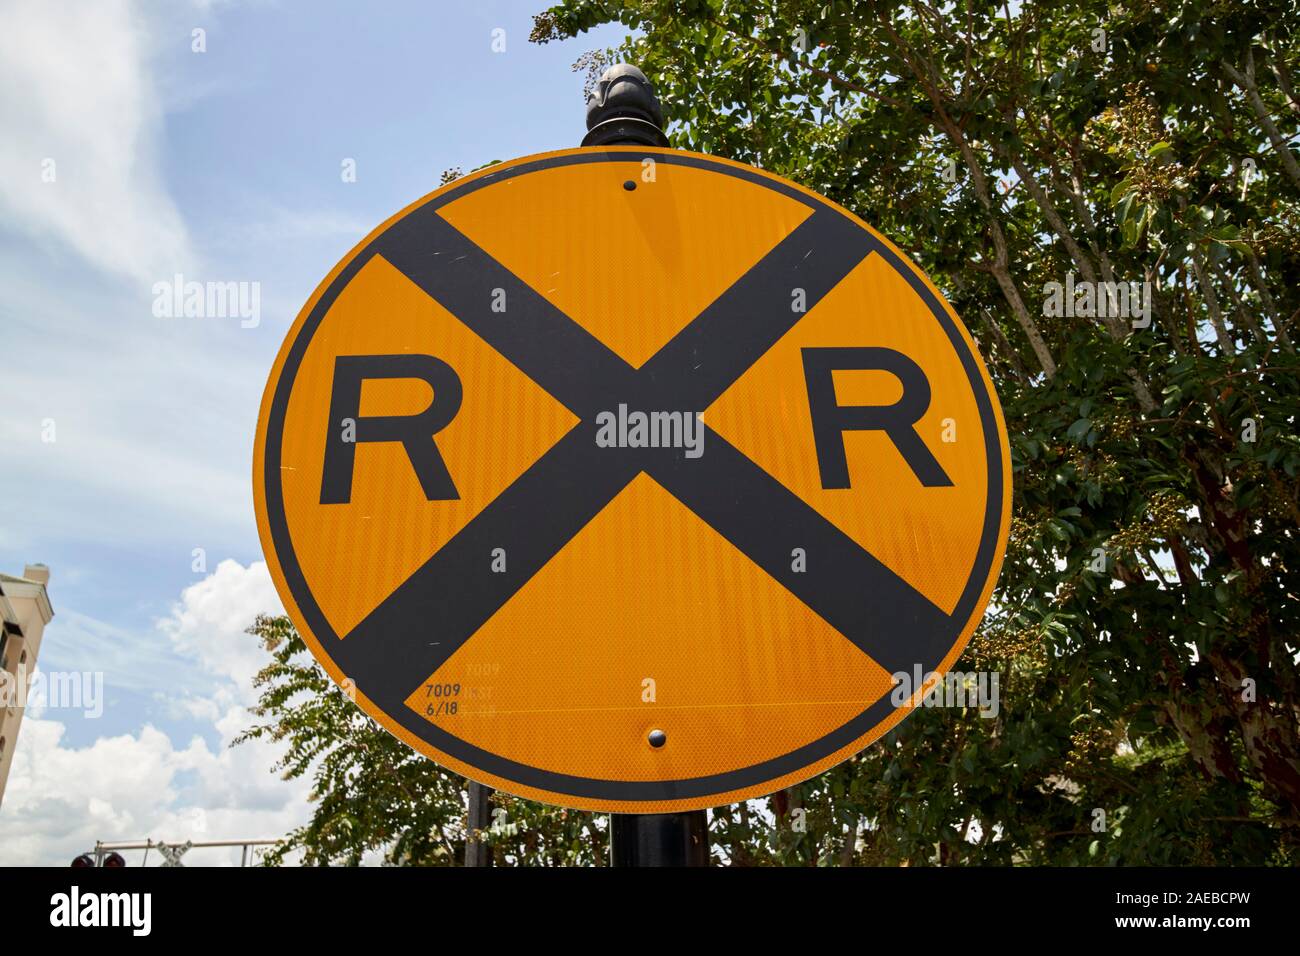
25	610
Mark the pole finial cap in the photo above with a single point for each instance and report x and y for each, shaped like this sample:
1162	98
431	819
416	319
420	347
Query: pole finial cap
623	110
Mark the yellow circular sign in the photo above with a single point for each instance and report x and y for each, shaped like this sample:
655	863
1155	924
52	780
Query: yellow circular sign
628	479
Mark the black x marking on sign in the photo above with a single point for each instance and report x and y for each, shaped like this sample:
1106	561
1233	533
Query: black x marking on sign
439	607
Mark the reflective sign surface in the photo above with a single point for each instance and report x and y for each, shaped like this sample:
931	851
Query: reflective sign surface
627	478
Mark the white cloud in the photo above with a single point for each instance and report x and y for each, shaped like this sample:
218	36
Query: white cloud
76	88
131	660
199	657
61	799
209	622
153	418
129	425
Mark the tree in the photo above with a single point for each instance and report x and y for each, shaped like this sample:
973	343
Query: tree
1145	625
377	799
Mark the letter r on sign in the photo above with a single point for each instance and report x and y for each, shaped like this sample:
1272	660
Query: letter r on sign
415	432
830	419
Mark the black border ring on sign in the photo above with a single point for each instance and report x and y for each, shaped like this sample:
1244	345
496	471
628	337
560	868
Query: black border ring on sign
862	598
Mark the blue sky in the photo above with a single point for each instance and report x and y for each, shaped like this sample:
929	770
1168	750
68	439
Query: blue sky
222	166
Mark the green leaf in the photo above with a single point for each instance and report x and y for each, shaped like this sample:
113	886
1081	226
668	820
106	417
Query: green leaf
1080	428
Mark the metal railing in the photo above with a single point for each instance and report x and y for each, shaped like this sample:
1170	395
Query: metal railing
172	852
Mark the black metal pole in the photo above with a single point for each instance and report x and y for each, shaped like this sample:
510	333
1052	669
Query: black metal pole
659	839
623	111
480	818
